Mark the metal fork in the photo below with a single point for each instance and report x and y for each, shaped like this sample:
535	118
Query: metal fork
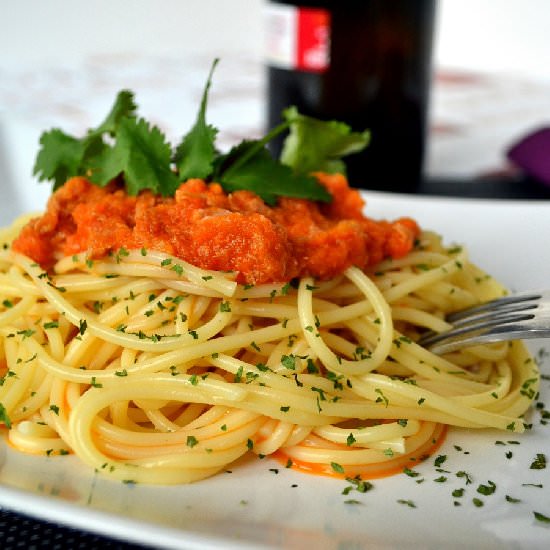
518	316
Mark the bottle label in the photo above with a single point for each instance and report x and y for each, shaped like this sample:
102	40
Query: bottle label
298	38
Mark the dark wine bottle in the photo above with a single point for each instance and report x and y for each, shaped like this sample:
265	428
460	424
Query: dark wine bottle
364	62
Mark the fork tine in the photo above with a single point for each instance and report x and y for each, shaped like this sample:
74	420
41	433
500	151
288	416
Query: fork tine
525	315
512	301
481	328
452	342
488	315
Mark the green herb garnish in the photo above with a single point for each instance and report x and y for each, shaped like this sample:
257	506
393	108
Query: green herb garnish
539	463
319	145
129	149
4	417
541	517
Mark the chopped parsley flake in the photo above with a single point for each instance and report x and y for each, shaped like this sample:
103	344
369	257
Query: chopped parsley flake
95	384
539	463
178	269
487	489
239	375
4	417
440	460
288	361
382	398
311	367
406	502
320	392
191	441
225	307
357	484
541	517
255	346
465	475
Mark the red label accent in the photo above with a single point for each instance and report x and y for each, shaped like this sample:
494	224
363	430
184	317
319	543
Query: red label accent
313	40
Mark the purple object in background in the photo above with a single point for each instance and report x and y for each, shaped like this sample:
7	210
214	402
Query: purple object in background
532	155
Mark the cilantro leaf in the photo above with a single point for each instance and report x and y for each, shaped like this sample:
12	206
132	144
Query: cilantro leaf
260	173
195	155
142	154
59	157
62	156
124	106
127	147
317	145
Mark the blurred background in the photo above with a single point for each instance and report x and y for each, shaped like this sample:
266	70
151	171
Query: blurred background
62	62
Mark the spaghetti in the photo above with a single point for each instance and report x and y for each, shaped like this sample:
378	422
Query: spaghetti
153	370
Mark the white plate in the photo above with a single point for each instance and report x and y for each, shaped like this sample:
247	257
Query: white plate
262	505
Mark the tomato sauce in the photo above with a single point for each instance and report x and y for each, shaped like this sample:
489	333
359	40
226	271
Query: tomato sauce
209	228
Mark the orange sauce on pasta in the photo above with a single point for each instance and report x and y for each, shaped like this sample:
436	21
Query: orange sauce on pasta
209	228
